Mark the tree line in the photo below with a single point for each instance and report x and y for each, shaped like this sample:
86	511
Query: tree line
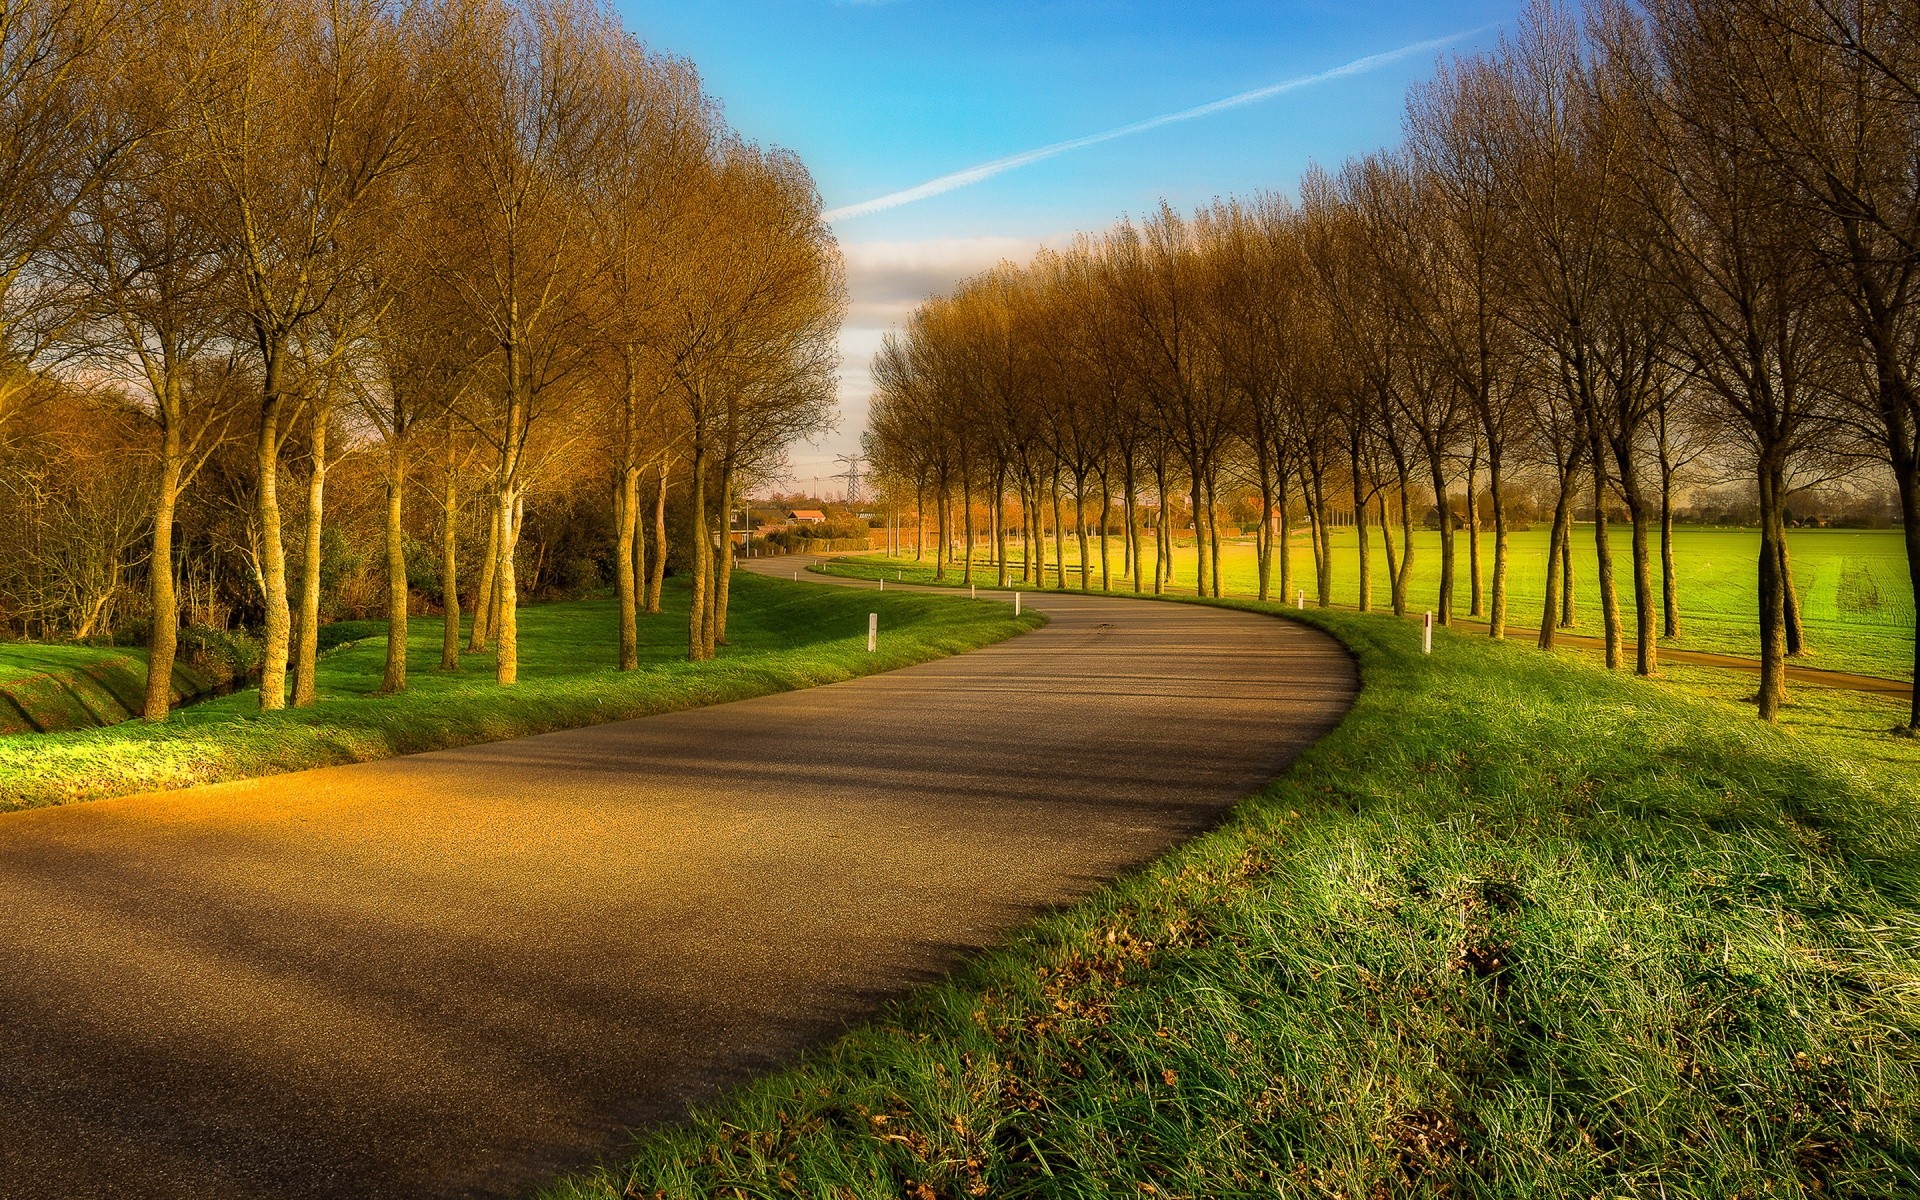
489	257
1629	238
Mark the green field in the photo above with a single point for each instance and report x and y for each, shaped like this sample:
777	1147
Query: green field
1520	927
781	636
1856	600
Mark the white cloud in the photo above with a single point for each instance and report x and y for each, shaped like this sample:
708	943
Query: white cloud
886	281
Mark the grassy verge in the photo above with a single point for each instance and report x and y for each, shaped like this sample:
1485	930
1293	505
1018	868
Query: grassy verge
54	688
1518	928
781	637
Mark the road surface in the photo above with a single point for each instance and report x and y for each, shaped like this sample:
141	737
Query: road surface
457	973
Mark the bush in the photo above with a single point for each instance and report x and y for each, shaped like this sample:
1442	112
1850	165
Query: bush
222	656
423	568
580	578
784	540
134	631
835	530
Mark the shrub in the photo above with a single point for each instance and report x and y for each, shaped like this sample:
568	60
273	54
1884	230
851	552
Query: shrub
221	655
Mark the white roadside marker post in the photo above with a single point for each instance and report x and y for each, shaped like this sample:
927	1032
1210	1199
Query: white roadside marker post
883	585
1426	640
1300	598
873	632
1016	604
973	592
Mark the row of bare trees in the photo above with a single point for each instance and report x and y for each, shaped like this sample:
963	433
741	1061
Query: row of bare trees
1625	238
482	240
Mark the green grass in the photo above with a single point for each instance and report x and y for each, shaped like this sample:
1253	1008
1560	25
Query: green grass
55	688
1518	928
1856	601
781	637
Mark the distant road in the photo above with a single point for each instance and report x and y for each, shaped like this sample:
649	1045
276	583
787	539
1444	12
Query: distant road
454	974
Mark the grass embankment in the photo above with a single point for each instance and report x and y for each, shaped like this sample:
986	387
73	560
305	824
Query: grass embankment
781	637
1856	600
1518	928
53	688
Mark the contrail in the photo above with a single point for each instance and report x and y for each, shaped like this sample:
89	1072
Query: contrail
999	166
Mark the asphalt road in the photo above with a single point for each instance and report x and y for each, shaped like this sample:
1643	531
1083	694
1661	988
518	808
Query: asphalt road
455	974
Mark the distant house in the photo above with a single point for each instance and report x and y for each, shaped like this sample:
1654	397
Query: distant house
807	516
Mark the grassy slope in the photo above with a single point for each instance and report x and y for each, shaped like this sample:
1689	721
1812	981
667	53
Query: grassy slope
1518	928
53	688
1857	602
782	637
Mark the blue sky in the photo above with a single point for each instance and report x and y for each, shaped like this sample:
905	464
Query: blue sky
879	96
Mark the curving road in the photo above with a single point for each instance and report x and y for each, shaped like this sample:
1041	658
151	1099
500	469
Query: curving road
456	973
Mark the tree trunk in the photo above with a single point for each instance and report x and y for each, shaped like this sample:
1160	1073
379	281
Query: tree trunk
1264	531
309	648
1021	497
966	520
1213	532
506	590
1790	595
1001	574
1443	508
394	679
701	540
1080	532
1402	576
1497	595
1360	532
723	573
1909	484
657	577
1646	652
1773	606
484	607
1131	513
1669	583
640	565
1557	541
1106	511
1037	539
1280	533
164	639
1603	551
1198	494
943	547
626	517
449	568
1323	525
1059	538
272	557
1473	529
1567	615
1396	598
1162	549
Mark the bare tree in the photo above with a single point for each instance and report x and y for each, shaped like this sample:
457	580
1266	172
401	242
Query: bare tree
304	116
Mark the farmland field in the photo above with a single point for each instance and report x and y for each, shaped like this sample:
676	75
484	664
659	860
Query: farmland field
1856	601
